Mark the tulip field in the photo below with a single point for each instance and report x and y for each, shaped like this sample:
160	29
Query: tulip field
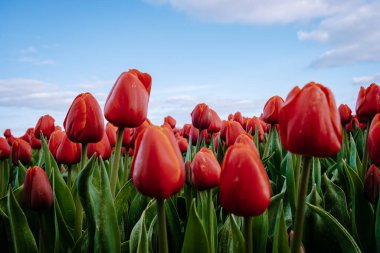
301	177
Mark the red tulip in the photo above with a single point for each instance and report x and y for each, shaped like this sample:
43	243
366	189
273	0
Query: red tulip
182	144
205	170
223	130
7	133
248	140
368	102
101	148
372	184
138	130
374	140
55	140
68	152
186	130
57	128
157	168
35	143
45	125
21	151
354	120
5	149
310	123
127	136
244	184
84	121
233	130
201	116
10	140
127	102
238	118
37	191
272	109
28	135
111	133
194	133
345	114
170	121
230	116
253	124
216	122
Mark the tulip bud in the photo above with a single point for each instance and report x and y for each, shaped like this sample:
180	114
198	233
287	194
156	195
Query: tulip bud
238	117
374	140
182	144
7	133
310	123
5	149
345	114
157	168
205	170
368	102
372	184
68	152
35	143
233	130
37	191
186	130
101	148
127	102
248	140
45	125
255	124
170	121
111	131
272	110
244	184
55	140
84	121
201	116
21	151
216	122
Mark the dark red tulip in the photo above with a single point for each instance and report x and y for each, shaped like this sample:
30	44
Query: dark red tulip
372	184
374	140
233	130
37	191
35	143
216	122
238	117
310	123
182	144
205	170
69	152
7	133
127	102
84	121
354	120
127	136
28	135
10	140
255	124
170	121
5	149
345	114
21	151
368	102
157	168
244	184
111	132
186	130
55	140
201	116
45	125
223	130
272	109
194	133
101	148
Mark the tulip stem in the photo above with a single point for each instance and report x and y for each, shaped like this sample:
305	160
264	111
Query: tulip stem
248	234
300	208
198	141
78	204
116	160
69	176
162	234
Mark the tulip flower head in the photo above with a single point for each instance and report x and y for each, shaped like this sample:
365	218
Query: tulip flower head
201	116
368	102
345	114
205	170
68	152
374	140
101	148
170	121
372	184
45	125
21	151
272	109
5	149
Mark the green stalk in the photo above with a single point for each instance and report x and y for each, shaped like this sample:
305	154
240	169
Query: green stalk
266	150
116	161
211	227
300	209
126	164
198	141
69	176
248	234
42	247
365	155
78	204
162	234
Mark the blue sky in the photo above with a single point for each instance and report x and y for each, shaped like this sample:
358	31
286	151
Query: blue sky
233	55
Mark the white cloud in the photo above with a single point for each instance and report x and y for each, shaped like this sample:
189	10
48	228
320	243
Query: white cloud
366	80
32	60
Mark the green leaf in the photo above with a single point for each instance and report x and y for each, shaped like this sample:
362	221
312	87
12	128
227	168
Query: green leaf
97	202
316	176
136	208
280	237
139	237
23	240
291	186
274	205
47	155
335	202
377	225
260	232
230	237
123	198
175	237
362	214
346	242
195	235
